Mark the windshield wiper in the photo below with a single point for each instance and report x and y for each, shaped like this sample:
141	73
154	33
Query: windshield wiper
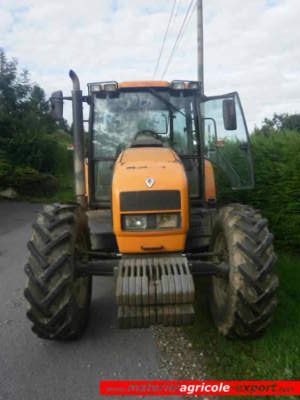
165	101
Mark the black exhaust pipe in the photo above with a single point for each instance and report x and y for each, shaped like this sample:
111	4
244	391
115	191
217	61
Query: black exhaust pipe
78	140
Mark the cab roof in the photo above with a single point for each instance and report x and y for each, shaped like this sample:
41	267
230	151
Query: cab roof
141	84
113	85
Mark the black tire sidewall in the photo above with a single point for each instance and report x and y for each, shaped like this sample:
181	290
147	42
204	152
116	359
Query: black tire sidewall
224	316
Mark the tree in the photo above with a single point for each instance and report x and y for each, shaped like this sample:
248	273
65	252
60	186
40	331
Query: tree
280	122
23	106
26	127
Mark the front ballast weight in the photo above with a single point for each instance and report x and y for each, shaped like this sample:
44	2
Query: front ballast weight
157	290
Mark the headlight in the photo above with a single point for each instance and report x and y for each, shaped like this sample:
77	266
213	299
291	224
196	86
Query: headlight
164	221
150	221
100	86
179	85
135	222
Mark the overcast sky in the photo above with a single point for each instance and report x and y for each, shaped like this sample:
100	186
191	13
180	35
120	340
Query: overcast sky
250	46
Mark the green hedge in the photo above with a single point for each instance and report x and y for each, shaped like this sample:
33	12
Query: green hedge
29	182
42	152
277	188
34	164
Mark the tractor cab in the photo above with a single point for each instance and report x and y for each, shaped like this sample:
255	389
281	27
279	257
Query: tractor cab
175	115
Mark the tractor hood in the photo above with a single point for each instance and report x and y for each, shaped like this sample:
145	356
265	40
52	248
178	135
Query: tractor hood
149	168
149	180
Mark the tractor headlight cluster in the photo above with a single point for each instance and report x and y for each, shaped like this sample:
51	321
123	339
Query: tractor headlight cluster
134	222
179	85
166	221
110	86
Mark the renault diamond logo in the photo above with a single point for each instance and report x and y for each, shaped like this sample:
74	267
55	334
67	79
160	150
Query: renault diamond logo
149	182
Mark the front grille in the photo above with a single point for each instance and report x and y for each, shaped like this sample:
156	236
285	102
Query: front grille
150	200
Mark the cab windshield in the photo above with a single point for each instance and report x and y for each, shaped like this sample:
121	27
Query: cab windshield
120	117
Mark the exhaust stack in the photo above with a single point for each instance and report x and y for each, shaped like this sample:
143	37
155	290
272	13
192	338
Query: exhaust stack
78	140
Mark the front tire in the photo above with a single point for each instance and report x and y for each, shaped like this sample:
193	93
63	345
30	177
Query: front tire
58	300
243	302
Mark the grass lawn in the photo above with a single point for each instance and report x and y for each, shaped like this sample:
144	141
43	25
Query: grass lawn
276	355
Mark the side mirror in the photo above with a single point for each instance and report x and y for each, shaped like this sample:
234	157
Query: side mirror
57	105
229	115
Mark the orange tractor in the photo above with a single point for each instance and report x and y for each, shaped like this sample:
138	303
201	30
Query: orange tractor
146	212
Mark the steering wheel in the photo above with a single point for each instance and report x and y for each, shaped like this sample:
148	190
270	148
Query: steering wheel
148	132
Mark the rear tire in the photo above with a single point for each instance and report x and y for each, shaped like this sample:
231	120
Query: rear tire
243	303
58	300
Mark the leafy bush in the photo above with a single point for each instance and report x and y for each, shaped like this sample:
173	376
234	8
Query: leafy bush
277	189
64	160
36	151
29	182
5	170
43	152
